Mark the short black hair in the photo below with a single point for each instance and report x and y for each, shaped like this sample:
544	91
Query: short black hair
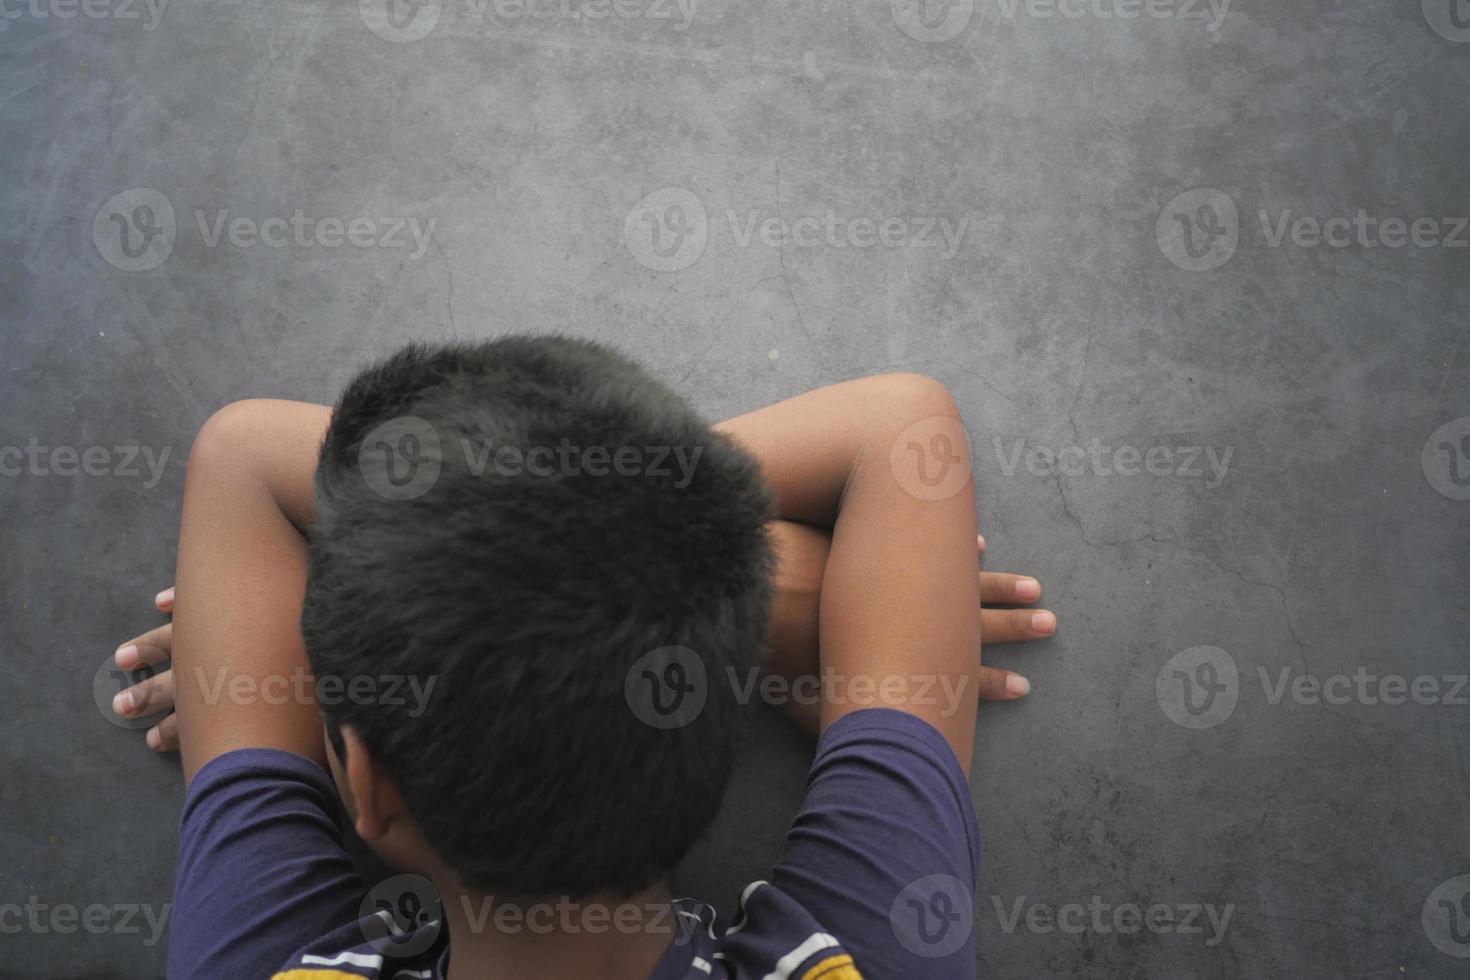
529	596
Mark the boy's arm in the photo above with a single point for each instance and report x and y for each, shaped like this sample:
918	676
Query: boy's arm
900	603
263	452
240	677
885	850
262	871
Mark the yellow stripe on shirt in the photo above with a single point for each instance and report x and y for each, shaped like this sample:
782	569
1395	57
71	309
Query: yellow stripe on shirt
838	967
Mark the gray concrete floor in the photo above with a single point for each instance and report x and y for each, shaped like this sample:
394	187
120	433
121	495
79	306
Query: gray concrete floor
613	177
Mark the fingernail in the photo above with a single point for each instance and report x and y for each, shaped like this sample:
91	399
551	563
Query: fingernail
153	738
123	703
167	595
980	540
126	655
1017	686
1043	622
1028	588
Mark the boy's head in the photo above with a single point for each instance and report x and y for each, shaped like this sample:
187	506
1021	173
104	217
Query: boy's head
521	522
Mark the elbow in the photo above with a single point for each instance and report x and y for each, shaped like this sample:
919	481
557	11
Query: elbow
914	397
224	438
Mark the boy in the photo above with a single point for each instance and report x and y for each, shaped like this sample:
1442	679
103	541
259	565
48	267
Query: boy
489	523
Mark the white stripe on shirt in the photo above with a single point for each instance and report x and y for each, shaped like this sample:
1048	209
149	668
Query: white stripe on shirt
816	942
370	961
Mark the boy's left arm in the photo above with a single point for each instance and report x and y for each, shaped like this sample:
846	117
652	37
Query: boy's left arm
240	668
262	872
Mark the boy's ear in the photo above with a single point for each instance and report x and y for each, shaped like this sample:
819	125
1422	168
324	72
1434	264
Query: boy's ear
376	805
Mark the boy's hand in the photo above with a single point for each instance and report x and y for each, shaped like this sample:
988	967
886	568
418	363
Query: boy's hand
1009	626
802	552
157	692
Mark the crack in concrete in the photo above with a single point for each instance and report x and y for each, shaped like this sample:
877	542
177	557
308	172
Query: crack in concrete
1280	592
781	247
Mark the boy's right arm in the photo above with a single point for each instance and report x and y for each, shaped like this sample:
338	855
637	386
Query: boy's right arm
900	602
885	852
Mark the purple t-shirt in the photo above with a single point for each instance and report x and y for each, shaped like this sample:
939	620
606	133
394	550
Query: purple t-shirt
876	880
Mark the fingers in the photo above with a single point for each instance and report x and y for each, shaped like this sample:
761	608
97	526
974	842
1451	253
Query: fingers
1009	626
147	697
999	587
155	693
164	736
1016	625
153	647
1002	685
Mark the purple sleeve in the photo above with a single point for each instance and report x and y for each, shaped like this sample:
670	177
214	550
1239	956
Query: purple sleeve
886	849
262	871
